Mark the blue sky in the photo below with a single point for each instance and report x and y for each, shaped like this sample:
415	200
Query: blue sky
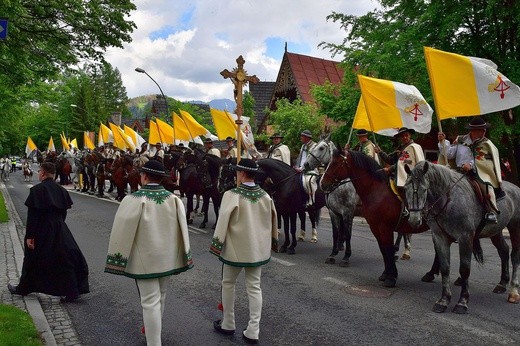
184	45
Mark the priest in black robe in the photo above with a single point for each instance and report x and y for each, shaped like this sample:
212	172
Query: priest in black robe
53	262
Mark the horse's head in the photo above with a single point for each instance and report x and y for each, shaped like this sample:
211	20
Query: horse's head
337	170
416	190
227	178
321	154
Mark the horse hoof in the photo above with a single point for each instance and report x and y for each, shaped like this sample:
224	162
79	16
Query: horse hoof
499	289
389	282
405	256
428	277
439	308
313	240
382	277
514	298
290	251
458	282
330	260
344	263
283	249
460	309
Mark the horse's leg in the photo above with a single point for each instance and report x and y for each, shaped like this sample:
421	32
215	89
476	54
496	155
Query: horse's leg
385	239
205	209
407	247
442	250
465	252
430	276
397	244
189	207
313	217
503	251
336	226
514	296
216	206
346	227
290	250
286	242
301	215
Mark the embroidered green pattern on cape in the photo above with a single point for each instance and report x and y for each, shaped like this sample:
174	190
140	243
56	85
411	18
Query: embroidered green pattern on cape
155	193
216	246
116	264
251	193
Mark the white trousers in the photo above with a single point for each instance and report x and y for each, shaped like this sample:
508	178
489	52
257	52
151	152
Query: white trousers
310	186
153	296
254	292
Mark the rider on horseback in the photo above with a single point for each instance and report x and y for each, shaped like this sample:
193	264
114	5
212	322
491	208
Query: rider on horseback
477	156
366	146
278	150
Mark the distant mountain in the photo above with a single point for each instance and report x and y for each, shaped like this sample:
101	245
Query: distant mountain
139	105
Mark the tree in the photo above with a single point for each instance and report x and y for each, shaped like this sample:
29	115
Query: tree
291	119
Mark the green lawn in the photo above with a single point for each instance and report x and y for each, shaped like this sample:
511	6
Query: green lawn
17	328
3	210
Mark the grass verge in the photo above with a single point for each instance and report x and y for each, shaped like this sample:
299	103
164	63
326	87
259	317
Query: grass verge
17	327
4	217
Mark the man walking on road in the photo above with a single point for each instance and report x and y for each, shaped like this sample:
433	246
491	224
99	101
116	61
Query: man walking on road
149	243
53	263
244	236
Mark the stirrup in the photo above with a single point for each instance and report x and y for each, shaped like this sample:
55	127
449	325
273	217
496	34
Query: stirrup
405	212
491	217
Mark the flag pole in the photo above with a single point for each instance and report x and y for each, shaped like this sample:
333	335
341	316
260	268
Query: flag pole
350	134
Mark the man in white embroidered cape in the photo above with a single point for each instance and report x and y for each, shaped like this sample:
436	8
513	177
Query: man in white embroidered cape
246	232
149	243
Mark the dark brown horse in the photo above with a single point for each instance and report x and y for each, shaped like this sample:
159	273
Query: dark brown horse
382	208
123	172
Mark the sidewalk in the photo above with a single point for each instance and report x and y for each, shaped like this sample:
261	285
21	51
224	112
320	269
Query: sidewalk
50	317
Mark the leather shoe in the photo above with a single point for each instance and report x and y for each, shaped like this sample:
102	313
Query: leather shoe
13	289
249	340
217	325
68	299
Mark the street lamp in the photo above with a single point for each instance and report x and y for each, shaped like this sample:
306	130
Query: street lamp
140	70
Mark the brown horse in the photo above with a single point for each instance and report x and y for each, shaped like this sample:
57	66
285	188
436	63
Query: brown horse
382	208
27	172
122	169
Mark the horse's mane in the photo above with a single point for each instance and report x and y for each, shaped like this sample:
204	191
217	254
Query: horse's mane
368	164
440	176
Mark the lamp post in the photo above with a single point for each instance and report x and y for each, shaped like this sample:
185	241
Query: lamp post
140	70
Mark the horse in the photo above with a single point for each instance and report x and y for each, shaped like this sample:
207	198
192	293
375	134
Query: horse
199	176
121	169
342	202
5	168
289	197
448	203
27	172
381	206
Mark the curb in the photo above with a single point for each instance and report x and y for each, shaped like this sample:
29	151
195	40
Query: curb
32	302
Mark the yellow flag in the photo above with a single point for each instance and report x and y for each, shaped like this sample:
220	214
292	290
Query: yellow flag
87	142
73	143
181	130
51	146
224	124
154	136
195	129
165	131
64	142
121	140
105	134
30	146
392	105
465	86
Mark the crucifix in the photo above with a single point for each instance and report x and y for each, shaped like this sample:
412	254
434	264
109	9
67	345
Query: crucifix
239	78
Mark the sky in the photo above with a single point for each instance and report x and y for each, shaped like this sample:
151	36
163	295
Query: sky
184	44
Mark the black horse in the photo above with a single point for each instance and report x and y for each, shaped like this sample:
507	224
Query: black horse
289	197
199	174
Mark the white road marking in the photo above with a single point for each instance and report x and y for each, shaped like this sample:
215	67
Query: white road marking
282	262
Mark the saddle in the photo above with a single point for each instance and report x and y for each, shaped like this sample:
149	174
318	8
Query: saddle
477	190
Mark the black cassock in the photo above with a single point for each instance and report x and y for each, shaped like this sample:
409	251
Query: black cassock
56	266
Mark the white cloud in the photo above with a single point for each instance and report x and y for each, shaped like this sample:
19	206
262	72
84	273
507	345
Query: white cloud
184	45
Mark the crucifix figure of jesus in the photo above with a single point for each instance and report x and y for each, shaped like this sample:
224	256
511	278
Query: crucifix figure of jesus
239	78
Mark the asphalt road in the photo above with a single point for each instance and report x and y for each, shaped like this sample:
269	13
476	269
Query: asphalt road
306	302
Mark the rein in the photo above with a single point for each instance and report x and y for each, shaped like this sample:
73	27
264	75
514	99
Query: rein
272	187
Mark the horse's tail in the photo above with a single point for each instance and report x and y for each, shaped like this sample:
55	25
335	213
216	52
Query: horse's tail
477	250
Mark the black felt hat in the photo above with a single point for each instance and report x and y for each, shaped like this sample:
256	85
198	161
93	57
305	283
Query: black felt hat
246	165
362	132
154	167
477	123
276	135
306	133
403	130
208	140
228	138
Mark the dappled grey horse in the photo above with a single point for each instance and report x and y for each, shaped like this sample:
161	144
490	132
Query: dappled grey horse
341	202
446	200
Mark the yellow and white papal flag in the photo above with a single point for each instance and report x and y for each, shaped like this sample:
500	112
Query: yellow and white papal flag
30	146
390	105
466	86
51	147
